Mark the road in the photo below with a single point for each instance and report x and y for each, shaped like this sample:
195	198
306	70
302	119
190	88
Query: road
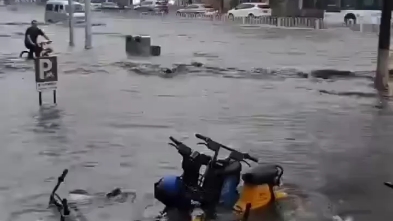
254	91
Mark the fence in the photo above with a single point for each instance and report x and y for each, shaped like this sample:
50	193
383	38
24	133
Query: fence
12	2
299	22
366	25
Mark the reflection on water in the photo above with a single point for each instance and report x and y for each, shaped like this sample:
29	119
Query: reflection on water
48	120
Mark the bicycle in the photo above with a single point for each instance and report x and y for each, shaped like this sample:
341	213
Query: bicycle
45	52
61	204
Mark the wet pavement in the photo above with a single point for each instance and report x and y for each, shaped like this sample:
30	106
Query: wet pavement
249	87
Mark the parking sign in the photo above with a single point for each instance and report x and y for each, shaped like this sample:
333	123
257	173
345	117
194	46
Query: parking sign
46	73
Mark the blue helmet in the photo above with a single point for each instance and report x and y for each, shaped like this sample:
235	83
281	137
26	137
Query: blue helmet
171	184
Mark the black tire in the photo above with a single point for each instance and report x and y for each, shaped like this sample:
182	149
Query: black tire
250	16
22	53
178	14
231	17
348	18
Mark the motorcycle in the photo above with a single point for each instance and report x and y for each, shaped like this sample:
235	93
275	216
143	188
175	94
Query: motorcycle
217	187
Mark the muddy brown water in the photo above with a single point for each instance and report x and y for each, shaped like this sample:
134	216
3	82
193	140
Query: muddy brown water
248	87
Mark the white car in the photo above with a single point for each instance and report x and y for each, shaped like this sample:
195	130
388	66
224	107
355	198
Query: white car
109	4
212	13
250	10
196	9
96	4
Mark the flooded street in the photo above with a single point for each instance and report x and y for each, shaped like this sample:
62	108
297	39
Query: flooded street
248	87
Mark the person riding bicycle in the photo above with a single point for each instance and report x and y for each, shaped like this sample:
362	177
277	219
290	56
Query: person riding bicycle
31	36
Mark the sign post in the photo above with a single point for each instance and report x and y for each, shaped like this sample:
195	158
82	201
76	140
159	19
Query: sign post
381	80
71	8
46	76
88	24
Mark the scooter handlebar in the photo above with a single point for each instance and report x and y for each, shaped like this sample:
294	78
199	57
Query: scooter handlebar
63	175
389	184
175	141
200	136
251	158
211	144
183	149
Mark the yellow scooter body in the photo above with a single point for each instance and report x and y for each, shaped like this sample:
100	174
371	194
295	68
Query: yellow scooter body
258	196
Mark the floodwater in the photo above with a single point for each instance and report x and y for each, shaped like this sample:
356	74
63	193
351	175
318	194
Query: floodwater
248	87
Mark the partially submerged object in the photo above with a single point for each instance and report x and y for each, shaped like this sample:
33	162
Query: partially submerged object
141	46
217	187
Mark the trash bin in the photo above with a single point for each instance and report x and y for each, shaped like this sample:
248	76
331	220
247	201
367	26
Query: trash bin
138	45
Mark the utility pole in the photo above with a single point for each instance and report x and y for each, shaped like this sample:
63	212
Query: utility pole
382	76
71	21
88	24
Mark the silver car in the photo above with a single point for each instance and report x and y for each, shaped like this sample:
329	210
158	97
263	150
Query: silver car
109	4
196	9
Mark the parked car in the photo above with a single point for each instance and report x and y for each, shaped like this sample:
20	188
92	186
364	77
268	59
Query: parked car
212	13
197	9
96	4
250	10
109	4
152	6
58	11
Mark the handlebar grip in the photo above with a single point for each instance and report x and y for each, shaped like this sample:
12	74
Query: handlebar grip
63	175
200	136
252	158
175	141
389	184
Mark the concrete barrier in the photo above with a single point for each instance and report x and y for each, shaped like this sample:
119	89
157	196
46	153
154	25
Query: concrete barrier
314	23
141	46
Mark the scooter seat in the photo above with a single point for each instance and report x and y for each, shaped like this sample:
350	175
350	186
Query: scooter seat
261	175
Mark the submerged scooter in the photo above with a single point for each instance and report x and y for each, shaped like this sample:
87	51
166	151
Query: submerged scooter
69	211
61	204
217	187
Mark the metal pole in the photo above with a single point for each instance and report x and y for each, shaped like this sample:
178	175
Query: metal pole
71	21
88	25
381	81
40	98
54	96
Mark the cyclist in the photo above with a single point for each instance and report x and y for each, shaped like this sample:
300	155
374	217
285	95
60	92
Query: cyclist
31	36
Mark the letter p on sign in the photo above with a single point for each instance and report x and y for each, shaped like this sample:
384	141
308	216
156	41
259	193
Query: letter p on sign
46	69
